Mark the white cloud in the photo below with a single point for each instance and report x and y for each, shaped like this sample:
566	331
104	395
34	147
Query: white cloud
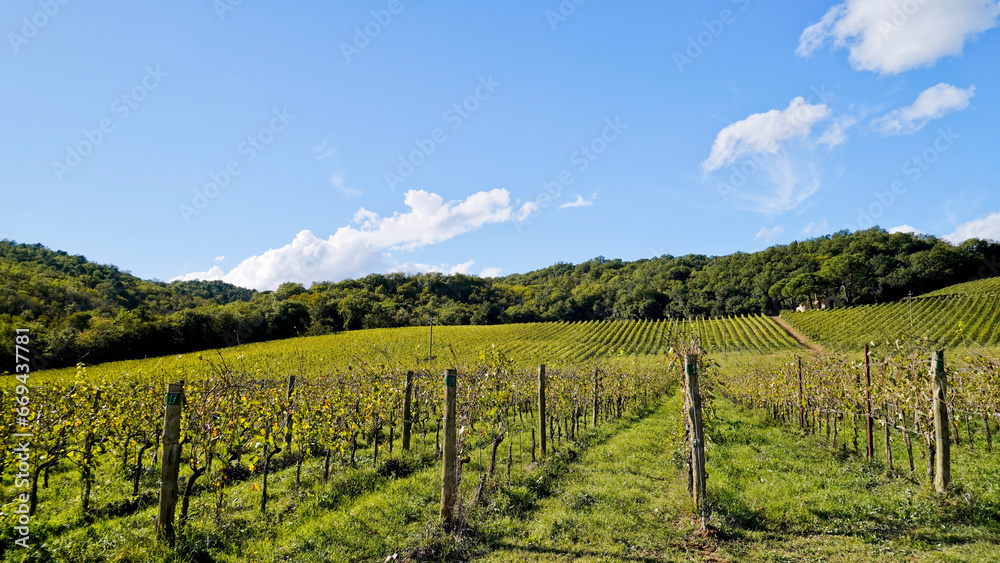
836	134
215	273
220	258
904	229
527	210
770	234
579	202
366	247
773	185
932	103
416	267
815	229
337	181
324	150
892	36
774	158
983	228
765	132
490	272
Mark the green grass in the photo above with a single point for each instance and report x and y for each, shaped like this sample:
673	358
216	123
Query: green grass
774	495
780	496
618	502
619	494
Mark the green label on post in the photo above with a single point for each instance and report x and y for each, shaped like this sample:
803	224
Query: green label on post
450	380
173	398
692	368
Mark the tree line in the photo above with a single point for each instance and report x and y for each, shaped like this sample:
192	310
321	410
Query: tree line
81	311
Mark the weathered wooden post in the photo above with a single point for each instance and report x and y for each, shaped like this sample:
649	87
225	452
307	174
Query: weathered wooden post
939	389
802	408
541	410
407	408
289	392
596	395
450	465
868	402
170	463
693	400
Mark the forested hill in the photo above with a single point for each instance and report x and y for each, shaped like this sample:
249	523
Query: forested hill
81	311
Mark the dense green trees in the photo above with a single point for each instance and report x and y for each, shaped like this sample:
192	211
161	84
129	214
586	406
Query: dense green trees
81	311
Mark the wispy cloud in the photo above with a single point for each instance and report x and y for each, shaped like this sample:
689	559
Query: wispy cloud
337	181
932	103
771	158
769	234
463	268
816	228
889	36
526	211
579	202
324	150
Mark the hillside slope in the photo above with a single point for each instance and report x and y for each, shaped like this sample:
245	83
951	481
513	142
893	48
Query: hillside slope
80	311
960	315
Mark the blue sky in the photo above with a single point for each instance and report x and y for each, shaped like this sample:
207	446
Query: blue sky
261	142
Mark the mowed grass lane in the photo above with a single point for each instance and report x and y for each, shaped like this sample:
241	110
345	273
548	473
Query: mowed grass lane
774	493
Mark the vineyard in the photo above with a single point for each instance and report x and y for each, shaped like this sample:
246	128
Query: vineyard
946	320
317	407
526	344
891	388
988	285
336	444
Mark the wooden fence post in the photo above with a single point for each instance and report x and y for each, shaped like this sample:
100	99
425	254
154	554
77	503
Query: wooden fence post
693	400
939	389
596	395
407	408
802	408
868	403
288	417
541	410
170	463
450	465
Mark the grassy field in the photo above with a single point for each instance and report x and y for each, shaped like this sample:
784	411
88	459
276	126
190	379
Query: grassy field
615	493
774	495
